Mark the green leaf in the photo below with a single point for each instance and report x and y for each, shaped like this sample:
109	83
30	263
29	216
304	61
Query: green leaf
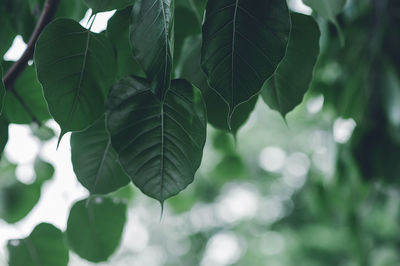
43	132
2	90
7	33
71	9
107	5
160	144
243	42
76	68
44	170
95	161
291	80
152	42
43	247
31	93
118	33
94	227
217	111
3	133
21	17
196	6
328	9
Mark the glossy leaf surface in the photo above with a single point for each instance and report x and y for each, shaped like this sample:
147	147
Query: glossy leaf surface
243	42
291	80
45	246
152	42
95	161
76	68
95	227
160	144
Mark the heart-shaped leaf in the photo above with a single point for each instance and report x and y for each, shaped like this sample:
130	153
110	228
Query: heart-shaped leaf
243	42
160	143
95	162
76	69
45	246
217	111
291	80
107	5
94	227
152	42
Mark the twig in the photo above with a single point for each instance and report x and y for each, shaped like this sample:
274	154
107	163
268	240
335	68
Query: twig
49	9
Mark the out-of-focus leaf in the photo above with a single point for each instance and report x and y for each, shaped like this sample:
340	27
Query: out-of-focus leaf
118	33
160	144
75	67
95	227
107	5
95	161
3	133
217	110
44	170
2	90
21	17
196	6
74	9
243	43
31	93
391	95
151	40
291	80
45	246
43	132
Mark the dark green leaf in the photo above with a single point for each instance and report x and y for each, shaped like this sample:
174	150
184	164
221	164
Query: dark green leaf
6	32
76	68
44	171
217	110
95	162
107	5
196	6
152	42
43	247
94	227
74	9
291	80
21	17
3	133
2	90
243	42
31	93
118	33
160	144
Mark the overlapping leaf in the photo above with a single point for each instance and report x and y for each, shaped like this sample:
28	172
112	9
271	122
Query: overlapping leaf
152	42
160	144
107	5
291	80
43	247
94	227
243	42
95	162
76	69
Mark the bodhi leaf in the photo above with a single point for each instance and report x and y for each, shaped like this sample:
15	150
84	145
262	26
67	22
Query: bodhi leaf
118	33
217	110
107	5
95	161
243	42
94	227
45	246
160	144
152	42
291	80
31	93
76	68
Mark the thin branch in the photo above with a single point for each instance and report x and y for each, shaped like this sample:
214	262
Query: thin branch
49	9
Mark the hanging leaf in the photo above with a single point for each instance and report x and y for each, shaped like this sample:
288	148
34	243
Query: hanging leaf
328	9
95	162
291	80
76	68
107	5
217	111
94	228
243	42
152	42
28	88
43	247
160	144
118	33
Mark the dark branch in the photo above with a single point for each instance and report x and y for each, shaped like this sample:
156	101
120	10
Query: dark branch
49	9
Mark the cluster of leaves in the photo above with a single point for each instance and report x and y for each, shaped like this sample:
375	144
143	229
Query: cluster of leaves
139	95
